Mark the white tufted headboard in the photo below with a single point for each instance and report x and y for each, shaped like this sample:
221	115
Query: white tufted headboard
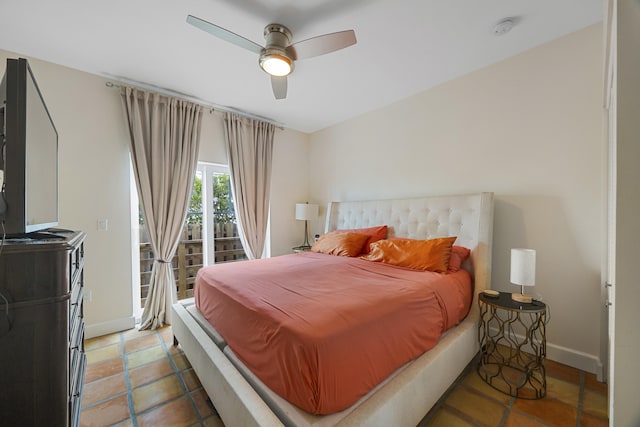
470	217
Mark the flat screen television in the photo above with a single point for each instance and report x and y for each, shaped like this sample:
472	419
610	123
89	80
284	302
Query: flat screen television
28	154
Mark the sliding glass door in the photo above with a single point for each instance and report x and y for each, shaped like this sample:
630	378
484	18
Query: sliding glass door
221	239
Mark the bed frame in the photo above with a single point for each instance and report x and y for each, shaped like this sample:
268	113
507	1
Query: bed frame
408	394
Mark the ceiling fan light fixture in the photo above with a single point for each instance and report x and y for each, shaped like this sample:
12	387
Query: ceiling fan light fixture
276	64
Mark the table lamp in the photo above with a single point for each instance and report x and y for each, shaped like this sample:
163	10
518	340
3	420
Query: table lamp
306	212
523	272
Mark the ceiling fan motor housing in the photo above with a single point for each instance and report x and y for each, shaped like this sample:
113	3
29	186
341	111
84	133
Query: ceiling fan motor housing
277	37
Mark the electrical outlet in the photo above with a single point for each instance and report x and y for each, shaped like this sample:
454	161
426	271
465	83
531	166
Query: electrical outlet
88	295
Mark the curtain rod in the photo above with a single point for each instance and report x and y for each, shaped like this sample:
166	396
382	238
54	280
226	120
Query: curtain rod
204	103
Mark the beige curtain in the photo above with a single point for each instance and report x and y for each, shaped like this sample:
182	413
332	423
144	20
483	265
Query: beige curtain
250	148
164	136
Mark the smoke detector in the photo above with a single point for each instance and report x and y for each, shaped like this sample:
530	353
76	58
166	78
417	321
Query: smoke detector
503	27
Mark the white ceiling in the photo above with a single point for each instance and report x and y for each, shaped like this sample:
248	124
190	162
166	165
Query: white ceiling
404	46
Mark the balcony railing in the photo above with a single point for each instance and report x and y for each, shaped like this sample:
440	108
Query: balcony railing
189	256
227	244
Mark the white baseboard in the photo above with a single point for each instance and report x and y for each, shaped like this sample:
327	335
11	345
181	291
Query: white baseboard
104	328
574	358
577	359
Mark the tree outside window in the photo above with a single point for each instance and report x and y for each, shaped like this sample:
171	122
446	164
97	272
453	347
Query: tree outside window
222	201
223	211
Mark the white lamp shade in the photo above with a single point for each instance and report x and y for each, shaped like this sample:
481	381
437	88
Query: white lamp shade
523	267
306	211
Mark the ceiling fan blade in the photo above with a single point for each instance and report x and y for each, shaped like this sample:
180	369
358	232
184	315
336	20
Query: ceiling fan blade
320	45
223	34
279	86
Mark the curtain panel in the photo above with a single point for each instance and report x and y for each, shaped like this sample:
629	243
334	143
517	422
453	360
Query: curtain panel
164	139
250	150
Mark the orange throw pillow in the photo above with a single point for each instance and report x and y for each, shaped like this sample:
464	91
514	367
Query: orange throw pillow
374	233
426	255
459	254
340	243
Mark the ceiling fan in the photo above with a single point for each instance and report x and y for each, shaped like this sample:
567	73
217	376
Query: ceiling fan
278	55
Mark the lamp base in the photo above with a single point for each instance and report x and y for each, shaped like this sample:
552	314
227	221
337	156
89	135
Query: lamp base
523	298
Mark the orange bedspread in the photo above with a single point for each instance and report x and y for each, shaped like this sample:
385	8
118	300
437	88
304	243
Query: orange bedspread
322	330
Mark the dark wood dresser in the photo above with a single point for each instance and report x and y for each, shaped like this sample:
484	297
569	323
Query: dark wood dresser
42	355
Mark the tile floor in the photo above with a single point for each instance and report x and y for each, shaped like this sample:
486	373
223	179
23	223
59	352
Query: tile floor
138	378
574	399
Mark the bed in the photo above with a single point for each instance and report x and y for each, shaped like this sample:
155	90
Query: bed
406	395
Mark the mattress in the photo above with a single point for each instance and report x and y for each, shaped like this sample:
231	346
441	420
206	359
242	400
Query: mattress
321	331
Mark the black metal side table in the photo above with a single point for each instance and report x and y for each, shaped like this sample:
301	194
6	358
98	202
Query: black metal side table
513	345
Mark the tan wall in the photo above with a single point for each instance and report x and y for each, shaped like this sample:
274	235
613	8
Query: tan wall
527	128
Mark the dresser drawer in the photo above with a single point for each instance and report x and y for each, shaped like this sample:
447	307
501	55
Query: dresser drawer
76	286
74	411
78	361
75	388
76	262
76	333
75	312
